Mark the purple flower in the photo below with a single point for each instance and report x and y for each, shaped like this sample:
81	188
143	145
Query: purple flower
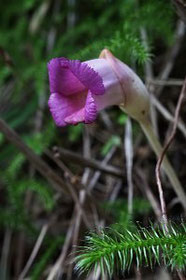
79	90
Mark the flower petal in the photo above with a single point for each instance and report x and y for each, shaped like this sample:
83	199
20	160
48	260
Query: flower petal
67	110
76	117
61	78
71	76
88	76
90	109
113	91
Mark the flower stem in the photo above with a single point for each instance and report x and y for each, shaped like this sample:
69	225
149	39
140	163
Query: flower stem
171	174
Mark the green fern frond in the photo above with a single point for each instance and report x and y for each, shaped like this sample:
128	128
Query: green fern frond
124	42
121	217
113	251
42	190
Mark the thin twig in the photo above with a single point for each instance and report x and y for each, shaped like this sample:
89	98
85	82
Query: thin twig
180	275
149	74
4	265
77	224
104	116
181	9
168	115
78	204
170	172
92	163
34	252
104	162
149	194
57	266
70	186
158	165
129	163
165	83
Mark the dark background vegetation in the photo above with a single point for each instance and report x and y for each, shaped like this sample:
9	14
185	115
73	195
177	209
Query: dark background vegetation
148	36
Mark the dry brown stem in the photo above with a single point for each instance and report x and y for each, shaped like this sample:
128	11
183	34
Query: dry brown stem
165	148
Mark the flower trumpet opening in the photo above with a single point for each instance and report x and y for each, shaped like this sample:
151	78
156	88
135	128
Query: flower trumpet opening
80	89
73	85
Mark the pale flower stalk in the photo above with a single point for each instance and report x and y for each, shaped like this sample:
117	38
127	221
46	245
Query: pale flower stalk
136	105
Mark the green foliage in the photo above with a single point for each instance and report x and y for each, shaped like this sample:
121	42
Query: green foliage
113	141
43	192
74	132
41	140
140	206
16	215
124	38
17	183
119	210
122	118
114	251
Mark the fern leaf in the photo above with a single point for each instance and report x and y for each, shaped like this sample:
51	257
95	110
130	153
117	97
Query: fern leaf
112	251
